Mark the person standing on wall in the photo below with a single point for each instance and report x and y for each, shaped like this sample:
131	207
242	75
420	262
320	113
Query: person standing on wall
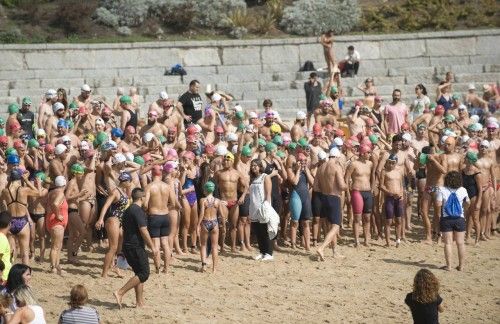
313	90
191	103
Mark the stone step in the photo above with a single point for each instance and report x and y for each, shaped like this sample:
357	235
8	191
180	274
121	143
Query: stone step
481	77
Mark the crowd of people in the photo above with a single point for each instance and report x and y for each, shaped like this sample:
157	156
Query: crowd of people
201	175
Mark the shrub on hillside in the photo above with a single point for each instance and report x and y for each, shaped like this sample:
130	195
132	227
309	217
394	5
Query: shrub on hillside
129	12
312	17
11	36
72	16
175	14
106	17
214	14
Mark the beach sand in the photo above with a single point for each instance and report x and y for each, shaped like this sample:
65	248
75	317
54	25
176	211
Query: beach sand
368	286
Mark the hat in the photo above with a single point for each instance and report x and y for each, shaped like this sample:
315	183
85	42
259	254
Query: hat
60	181
252	114
77	168
231	137
393	157
471	86
378	98
455	96
406	137
41	175
99	121
246	151
27	101
423	158
60	149
216	97
108	146
4	139
116	132
462	107
139	160
124	176
486	87
275	128
57	106
13	159
270	146
148	137
169	166
219	130
221	150
14	126
492	125
153	113
292	146
33	143
261	142
62	123
364	149
84	145
322	155
229	156
338	141
163	95
18	144
13	108
85	87
209	148
301	115
278	140
485	143
334	89
119	158
303	142
339	132
240	115
471	156
373	138
209	186
16	174
125	100
49	148
51	93
2	121
335	152
405	126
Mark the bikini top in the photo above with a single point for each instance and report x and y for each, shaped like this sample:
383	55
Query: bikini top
15	200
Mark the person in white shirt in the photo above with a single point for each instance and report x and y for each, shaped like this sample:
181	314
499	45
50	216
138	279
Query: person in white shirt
452	222
350	65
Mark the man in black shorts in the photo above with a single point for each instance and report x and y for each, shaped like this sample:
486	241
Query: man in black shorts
135	233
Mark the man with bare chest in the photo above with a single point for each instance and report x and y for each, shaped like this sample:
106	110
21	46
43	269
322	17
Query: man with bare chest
228	180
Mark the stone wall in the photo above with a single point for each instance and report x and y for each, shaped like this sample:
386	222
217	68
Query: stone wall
249	69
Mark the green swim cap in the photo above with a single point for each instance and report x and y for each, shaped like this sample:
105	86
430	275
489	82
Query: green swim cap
280	154
270	146
41	175
241	127
373	138
209	187
292	146
246	151
13	108
162	139
11	151
139	160
27	101
455	96
240	115
423	158
125	100
278	140
449	118
2	121
77	168
432	105
303	142
73	105
33	143
262	142
471	156
100	138
70	123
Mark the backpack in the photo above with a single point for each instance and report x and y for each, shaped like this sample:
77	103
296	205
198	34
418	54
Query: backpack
308	66
176	70
453	207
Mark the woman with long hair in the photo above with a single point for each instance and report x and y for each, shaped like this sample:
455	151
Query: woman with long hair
189	200
29	310
424	301
111	217
370	92
421	101
62	97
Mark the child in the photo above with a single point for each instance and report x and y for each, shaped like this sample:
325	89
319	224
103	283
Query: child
424	301
208	226
391	184
4	244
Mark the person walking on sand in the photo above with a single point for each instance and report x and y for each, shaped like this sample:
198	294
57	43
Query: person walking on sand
135	234
424	301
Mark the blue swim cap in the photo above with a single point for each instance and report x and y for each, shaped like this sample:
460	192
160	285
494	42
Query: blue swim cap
62	123
13	159
16	174
116	132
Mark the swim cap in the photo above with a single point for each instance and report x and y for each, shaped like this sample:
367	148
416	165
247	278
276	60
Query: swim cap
270	146
373	138
246	151
322	155
300	115
13	159
100	138
240	115
278	140
4	139
449	118
33	143
125	100
62	123
41	175
338	141
439	110
162	139
364	149
221	150
49	148
116	132
73	105
275	128
334	89
303	142
261	142
124	176
231	137
119	158
60	181
229	156
209	187
393	157
423	158
280	154
26	101
471	156
13	108
148	137
455	96
335	152
292	146
405	126
57	106
16	174
77	168
2	121
139	160
60	149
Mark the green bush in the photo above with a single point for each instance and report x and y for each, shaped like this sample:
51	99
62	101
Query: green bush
12	36
313	17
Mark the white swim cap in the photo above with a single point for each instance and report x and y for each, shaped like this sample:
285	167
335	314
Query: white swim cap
57	106
51	93
301	115
163	95
148	137
406	137
338	141
231	137
216	97
334	152
84	145
60	181
60	149
322	155
221	150
85	87
238	108
119	158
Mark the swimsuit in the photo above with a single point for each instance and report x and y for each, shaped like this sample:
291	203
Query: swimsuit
35	217
17	223
51	219
190	196
362	201
231	203
244	208
331	209
275	191
394	207
300	203
469	183
117	208
210	224
158	225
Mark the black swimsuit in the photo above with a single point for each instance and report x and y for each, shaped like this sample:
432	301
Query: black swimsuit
470	184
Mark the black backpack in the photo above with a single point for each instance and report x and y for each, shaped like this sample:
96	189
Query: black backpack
308	66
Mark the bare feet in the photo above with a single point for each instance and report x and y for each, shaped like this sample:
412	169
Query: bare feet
203	267
337	255
116	270
427	241
446	268
320	254
118	298
459	268
60	271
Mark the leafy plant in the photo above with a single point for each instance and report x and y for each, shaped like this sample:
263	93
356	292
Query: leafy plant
240	18
275	8
313	17
11	36
264	24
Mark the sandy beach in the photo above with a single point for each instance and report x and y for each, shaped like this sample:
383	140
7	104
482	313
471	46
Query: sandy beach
367	286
